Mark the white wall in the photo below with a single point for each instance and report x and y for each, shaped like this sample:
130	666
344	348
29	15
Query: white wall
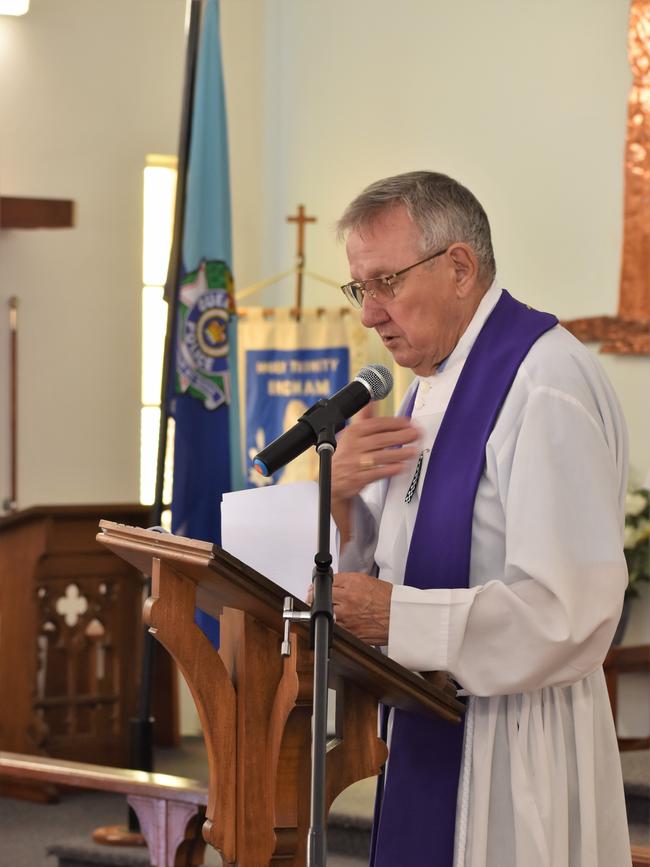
523	101
89	88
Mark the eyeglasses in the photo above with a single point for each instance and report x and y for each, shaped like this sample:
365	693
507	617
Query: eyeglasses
384	288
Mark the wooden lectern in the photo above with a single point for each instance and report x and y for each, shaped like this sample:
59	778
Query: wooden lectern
70	632
255	705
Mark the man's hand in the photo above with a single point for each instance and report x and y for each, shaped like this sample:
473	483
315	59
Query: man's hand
361	605
367	450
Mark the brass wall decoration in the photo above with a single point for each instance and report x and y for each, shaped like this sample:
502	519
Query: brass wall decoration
629	332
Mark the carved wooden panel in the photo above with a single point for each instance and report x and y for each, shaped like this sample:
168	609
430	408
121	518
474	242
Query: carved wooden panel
84	695
70	635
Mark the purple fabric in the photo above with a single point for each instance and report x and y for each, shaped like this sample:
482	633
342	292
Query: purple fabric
416	817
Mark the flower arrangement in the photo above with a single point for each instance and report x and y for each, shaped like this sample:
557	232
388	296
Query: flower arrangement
637	539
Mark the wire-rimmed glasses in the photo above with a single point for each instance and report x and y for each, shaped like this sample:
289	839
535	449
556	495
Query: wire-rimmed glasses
380	289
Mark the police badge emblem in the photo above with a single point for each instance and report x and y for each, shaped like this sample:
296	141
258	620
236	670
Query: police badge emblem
206	302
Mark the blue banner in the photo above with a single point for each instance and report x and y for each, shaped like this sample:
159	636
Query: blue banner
204	406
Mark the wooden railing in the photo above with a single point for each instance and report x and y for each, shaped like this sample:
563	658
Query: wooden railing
626	660
170	809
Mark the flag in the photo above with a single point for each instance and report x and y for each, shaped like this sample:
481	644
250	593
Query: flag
203	399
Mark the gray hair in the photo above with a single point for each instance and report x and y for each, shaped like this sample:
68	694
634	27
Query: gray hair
443	210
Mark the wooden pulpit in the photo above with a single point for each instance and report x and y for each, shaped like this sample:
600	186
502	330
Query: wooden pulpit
254	704
70	632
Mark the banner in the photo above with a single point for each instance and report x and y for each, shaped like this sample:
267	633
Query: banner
205	332
286	366
203	403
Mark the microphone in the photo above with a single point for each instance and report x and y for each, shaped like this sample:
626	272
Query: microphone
373	382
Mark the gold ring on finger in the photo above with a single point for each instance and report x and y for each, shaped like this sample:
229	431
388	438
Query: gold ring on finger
366	462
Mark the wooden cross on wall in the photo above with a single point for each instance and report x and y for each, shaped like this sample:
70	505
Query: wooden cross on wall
300	218
29	213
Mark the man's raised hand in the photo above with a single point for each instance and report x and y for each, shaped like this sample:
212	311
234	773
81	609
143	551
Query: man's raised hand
370	449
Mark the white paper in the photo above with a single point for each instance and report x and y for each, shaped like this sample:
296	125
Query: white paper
275	531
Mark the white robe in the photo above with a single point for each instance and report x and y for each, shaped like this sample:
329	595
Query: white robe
541	781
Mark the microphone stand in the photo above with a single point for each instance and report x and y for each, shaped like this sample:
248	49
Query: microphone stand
322	617
324	422
324	418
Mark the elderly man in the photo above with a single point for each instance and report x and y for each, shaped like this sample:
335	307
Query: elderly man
491	510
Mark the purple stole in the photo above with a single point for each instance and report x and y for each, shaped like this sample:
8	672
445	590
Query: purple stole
415	814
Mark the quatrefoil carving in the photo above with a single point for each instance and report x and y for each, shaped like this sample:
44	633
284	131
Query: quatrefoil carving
72	605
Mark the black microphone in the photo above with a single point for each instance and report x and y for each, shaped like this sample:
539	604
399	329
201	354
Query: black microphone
373	382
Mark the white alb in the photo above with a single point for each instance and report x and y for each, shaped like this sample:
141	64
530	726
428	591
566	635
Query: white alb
541	782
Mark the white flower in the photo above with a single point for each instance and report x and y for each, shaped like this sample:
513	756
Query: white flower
630	537
635	504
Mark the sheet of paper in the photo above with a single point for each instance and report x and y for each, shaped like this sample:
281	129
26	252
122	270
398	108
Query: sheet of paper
274	530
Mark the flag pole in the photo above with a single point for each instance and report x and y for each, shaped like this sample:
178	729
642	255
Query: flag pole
141	731
174	269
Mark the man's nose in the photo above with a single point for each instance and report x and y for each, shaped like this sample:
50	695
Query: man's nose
372	313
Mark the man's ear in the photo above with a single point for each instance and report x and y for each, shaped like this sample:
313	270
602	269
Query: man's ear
465	266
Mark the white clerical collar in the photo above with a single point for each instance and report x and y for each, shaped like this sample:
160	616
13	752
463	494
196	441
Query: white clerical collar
464	345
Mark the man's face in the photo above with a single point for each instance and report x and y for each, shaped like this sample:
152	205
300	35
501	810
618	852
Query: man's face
424	321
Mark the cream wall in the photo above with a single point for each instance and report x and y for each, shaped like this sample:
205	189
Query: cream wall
84	98
523	101
88	89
